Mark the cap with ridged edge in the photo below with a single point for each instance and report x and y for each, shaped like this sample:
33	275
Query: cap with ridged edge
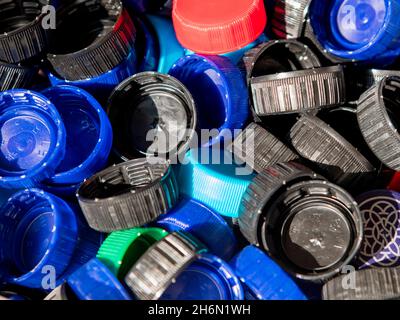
15	76
203	223
374	76
316	141
227	95
261	191
37	229
278	56
298	91
120	251
105	52
218	26
93	281
33	138
369	284
22	35
129	194
260	149
289	18
309	210
377	115
218	184
381	216
263	279
161	264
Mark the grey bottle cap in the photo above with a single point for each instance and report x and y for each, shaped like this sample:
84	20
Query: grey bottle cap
128	195
59	293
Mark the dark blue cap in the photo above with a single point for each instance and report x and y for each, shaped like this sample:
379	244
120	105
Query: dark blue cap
356	29
207	278
218	88
88	131
169	47
207	226
262	278
102	86
146	45
142	6
32	138
93	281
37	230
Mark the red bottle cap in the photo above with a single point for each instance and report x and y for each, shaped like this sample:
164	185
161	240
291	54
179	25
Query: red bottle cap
218	26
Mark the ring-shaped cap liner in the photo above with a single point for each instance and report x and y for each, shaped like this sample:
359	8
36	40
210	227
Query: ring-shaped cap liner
207	278
339	27
33	138
219	91
262	278
37	230
151	105
88	131
22	36
107	36
206	225
287	233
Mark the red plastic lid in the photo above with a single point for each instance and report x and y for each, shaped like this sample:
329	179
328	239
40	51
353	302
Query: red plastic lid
218	26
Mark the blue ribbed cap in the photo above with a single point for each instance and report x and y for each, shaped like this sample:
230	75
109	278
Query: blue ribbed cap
207	278
93	281
207	226
32	138
262	278
356	29
88	132
38	232
218	88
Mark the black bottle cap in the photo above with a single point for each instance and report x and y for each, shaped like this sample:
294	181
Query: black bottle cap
151	101
15	76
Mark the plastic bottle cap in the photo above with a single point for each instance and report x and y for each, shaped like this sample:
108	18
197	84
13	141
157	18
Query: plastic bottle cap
139	190
151	114
146	45
94	281
120	251
226	92
381	217
218	26
33	138
216	185
207	226
22	35
262	278
15	76
88	132
207	278
37	229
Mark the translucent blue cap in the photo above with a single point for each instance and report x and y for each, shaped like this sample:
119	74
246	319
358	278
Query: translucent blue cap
169	47
38	231
218	88
88	132
102	86
207	278
356	29
207	226
93	281
32	138
262	278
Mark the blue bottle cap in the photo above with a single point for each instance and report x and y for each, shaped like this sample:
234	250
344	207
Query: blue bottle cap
93	281
32	138
218	186
356	29
142	6
37	230
146	45
207	226
169	47
61	190
262	278
207	278
88	131
218	88
101	86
